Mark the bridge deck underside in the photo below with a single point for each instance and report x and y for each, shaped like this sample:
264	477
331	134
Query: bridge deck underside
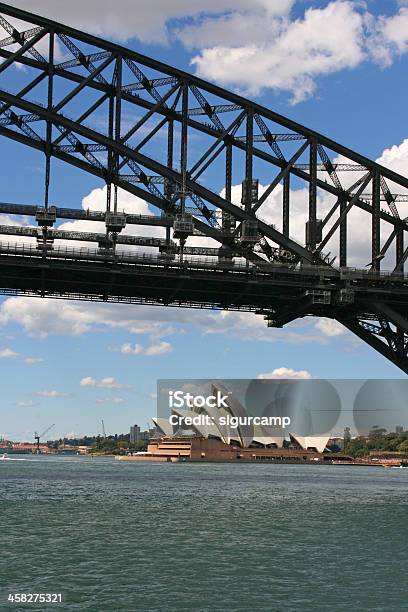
161	285
249	290
377	313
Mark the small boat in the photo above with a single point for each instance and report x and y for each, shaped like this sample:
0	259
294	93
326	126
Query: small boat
4	457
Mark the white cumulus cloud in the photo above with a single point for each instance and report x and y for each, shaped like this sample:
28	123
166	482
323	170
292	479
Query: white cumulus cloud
109	382
285	373
138	349
330	327
281	54
147	21
33	360
7	353
41	317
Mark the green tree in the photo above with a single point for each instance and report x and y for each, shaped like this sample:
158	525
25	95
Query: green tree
356	448
403	447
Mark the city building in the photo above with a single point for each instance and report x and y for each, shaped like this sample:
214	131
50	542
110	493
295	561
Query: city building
134	434
26	447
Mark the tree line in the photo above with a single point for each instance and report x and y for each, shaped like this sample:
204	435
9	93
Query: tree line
377	440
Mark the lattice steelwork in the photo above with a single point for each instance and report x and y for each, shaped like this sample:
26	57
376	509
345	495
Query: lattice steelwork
167	137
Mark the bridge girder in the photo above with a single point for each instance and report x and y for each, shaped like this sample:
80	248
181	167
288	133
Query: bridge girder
251	142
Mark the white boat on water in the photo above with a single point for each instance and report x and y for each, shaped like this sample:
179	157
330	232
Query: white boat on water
4	457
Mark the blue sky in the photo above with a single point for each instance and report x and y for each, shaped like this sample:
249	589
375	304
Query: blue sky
73	364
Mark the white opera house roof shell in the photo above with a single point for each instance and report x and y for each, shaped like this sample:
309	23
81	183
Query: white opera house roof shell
214	424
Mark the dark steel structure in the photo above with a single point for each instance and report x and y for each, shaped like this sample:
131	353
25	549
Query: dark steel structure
167	137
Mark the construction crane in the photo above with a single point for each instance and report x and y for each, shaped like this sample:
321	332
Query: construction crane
38	436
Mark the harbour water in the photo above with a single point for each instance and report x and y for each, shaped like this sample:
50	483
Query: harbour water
160	537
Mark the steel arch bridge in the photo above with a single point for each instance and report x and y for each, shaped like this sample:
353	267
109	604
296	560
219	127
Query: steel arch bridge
167	137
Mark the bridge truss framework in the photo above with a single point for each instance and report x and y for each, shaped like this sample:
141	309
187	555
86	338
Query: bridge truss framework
167	137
